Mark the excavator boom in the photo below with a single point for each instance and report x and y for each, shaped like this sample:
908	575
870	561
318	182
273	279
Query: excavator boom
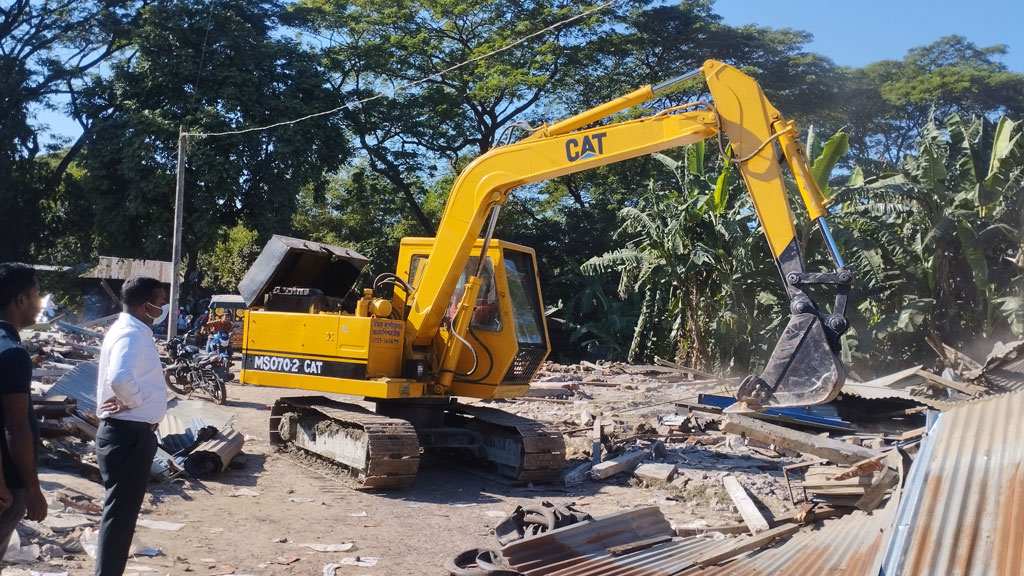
805	367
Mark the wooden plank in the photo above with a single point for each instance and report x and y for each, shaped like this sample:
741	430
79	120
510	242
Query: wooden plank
820	446
748	510
732	550
873	464
911	434
627	461
875	493
969	389
559	391
86	428
687	369
41	372
639	545
578	474
686	531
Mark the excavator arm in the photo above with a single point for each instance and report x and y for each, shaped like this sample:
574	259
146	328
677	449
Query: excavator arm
805	366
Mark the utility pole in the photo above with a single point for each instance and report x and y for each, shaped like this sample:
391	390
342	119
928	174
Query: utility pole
179	203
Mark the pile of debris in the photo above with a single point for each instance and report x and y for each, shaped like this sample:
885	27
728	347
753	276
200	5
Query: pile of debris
195	438
847	487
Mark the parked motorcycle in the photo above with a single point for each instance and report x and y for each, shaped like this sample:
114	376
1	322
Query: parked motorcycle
190	371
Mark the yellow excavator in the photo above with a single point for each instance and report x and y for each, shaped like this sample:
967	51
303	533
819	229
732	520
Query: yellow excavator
463	315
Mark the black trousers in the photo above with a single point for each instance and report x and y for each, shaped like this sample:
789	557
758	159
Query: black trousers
124	451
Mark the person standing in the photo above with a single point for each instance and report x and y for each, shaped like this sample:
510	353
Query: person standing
132	399
19	491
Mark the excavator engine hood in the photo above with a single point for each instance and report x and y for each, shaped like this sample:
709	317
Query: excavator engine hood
294	263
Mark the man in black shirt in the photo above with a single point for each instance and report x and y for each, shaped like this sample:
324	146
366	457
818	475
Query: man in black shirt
19	306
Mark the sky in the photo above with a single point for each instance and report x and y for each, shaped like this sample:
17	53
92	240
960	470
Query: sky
850	33
864	31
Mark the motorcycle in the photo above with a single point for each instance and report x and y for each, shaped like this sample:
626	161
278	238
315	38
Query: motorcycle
190	371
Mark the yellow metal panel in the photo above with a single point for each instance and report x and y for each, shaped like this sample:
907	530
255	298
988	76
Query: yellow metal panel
383	388
747	118
386	346
486	391
353	337
284	332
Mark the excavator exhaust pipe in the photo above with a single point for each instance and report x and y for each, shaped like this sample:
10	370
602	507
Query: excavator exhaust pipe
803	369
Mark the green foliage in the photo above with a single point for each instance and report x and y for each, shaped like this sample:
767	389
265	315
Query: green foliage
250	76
227	262
937	244
687	255
887	103
47	48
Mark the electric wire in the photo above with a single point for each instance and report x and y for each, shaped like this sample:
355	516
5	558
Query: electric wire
202	58
408	85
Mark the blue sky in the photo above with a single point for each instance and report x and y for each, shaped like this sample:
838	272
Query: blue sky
864	31
850	33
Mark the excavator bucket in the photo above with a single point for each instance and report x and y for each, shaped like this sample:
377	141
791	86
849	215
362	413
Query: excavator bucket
803	369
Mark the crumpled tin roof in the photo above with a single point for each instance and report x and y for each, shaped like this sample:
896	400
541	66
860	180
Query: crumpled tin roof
897	385
962	512
80	384
851	545
1003	369
580	549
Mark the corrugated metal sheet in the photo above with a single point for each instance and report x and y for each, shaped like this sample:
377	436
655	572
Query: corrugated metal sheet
177	434
111	268
1004	368
213	456
187	410
581	549
80	384
851	545
897	385
962	514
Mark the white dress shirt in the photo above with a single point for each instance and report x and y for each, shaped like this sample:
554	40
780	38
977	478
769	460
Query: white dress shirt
130	369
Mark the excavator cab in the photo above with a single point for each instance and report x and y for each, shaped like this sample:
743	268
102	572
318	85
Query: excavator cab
507	333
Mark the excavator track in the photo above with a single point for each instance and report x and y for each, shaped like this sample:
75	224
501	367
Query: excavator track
381	452
522	450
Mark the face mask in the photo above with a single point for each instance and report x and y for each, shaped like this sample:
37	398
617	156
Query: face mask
163	312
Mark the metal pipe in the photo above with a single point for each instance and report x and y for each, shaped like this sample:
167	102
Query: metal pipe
830	242
677	80
487	239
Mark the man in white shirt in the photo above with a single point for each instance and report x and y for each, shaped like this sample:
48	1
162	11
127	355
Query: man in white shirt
132	399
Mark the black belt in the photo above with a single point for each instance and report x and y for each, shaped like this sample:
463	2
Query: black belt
118	423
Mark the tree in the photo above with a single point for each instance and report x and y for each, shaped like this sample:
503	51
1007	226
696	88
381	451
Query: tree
212	67
433	120
937	245
47	50
887	103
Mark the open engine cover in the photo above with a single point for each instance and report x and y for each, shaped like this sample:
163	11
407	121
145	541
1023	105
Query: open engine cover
294	263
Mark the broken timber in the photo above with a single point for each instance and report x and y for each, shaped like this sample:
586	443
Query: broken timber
612	467
746	545
823	447
748	510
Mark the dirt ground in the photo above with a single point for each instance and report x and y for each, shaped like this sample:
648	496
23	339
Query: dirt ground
256	518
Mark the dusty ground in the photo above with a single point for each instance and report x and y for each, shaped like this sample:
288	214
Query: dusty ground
285	503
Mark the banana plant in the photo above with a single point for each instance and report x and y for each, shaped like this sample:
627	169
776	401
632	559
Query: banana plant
937	244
